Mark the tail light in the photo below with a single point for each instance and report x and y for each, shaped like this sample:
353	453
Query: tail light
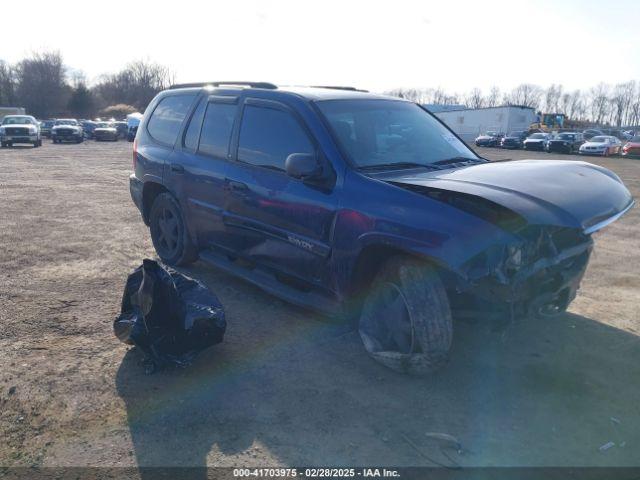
135	153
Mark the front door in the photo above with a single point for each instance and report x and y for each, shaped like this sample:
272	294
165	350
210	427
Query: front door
271	218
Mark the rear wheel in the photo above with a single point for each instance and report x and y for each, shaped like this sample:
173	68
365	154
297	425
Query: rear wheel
405	322
168	232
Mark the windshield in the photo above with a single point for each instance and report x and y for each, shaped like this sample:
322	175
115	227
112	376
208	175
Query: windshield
66	122
599	140
566	136
515	134
538	135
18	121
103	125
385	132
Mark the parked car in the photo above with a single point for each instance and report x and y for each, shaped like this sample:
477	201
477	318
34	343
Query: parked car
604	145
67	130
20	129
363	206
88	126
133	120
513	139
537	141
614	132
122	129
45	128
489	139
591	132
105	131
632	147
565	142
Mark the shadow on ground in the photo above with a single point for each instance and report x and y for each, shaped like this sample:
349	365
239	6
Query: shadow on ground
288	388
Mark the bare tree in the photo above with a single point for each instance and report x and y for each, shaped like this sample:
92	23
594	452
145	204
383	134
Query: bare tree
136	84
475	99
41	84
599	102
494	97
552	98
7	84
526	95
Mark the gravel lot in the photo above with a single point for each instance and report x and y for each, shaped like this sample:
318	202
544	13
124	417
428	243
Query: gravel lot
287	387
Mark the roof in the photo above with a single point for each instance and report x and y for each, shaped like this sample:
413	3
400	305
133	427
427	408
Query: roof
437	108
310	93
465	109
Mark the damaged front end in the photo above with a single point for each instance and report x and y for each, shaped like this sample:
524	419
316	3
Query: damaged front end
542	215
538	275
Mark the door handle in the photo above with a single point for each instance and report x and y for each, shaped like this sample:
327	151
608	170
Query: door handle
238	186
177	168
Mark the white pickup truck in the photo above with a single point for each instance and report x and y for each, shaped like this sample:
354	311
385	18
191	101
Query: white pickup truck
20	129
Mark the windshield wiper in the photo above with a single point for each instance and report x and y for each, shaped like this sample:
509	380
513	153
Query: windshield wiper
390	166
458	160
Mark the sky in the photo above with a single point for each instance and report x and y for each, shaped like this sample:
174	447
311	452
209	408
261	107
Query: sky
375	45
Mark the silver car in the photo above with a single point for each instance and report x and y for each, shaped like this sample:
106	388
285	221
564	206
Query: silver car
604	145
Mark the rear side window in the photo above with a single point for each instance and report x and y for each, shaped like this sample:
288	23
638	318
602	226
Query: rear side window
192	134
268	136
166	119
216	129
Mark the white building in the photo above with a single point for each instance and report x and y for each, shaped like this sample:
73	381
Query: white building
468	123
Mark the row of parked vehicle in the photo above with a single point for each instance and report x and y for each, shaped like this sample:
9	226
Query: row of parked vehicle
77	130
588	142
25	129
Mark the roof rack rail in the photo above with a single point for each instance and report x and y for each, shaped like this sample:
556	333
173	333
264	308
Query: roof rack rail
336	87
265	85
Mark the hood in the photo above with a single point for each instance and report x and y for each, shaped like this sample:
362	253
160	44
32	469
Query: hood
594	144
74	127
104	129
536	139
550	192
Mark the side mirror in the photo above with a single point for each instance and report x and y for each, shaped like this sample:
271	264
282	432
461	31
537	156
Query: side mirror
303	165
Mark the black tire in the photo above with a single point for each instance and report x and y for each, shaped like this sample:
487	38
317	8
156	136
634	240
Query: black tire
171	241
418	339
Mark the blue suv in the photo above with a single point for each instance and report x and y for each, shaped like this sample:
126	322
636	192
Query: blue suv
364	206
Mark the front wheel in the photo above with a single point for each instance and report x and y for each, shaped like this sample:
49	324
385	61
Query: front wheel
168	232
405	322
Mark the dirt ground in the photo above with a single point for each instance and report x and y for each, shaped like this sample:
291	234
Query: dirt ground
286	387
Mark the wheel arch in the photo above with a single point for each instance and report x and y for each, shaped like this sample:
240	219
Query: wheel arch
150	192
372	257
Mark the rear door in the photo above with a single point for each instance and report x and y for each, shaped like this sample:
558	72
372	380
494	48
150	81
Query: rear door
160	135
270	217
200	164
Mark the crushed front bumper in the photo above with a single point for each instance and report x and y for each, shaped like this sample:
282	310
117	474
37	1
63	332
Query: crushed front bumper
549	280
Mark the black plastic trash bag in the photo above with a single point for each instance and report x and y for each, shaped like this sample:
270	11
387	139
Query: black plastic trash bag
169	316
